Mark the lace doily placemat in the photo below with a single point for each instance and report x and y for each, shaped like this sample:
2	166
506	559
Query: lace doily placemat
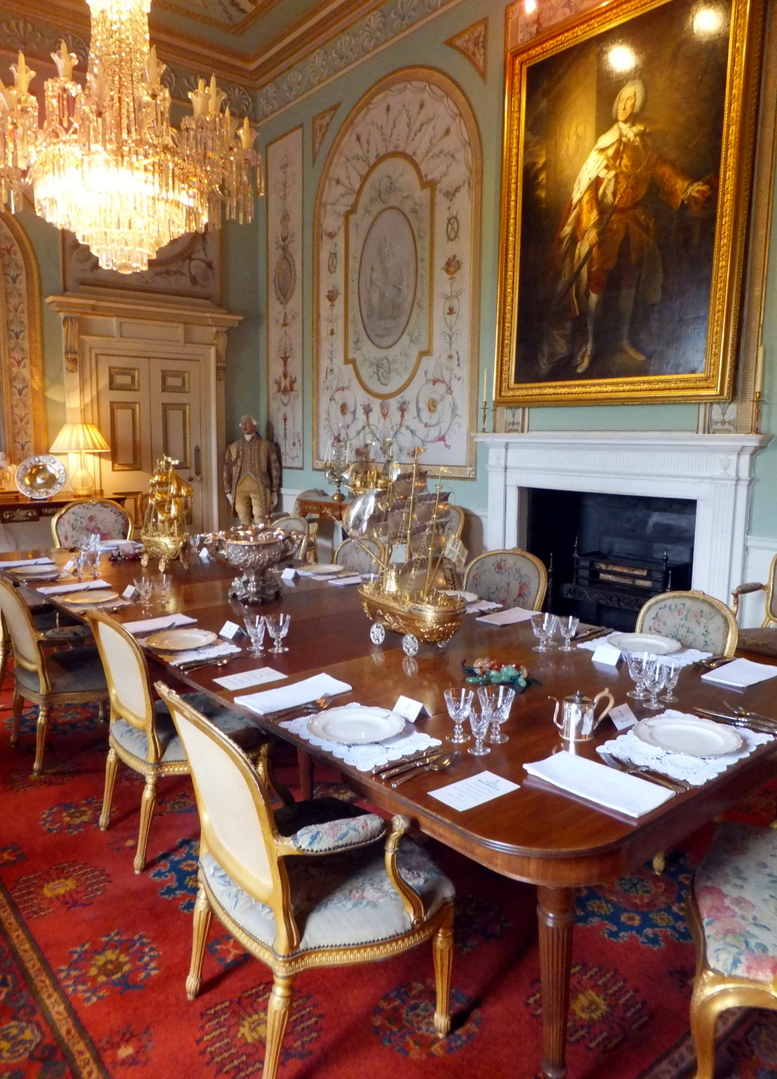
365	758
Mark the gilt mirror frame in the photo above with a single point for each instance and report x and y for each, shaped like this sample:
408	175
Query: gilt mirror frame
622	239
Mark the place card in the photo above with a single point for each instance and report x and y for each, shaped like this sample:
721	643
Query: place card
289	574
69	566
245	679
622	716
409	709
230	630
606	654
130	592
474	791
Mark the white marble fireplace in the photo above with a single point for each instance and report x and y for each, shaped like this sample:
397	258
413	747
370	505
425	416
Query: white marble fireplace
713	470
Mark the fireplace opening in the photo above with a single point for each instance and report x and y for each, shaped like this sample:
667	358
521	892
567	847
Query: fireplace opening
607	554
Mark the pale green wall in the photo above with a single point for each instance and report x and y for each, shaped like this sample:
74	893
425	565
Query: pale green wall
425	46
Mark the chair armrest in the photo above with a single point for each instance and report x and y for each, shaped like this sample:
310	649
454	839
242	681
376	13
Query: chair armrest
752	586
336	835
411	900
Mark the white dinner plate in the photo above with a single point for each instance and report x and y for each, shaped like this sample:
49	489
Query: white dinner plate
33	571
90	597
644	642
179	640
691	735
321	567
356	726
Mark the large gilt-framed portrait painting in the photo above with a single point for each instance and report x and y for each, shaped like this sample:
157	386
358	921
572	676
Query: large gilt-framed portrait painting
627	163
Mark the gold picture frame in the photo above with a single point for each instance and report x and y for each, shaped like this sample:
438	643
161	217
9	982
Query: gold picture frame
627	159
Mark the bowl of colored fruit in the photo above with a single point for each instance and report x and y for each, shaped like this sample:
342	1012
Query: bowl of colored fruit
487	672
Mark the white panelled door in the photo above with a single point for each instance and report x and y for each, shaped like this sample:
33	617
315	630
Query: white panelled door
149	407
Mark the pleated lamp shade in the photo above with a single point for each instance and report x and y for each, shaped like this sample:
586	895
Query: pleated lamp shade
80	438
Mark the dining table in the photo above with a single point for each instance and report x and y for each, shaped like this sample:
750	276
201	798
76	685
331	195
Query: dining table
533	833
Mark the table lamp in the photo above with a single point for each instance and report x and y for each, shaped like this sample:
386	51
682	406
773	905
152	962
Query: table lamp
80	438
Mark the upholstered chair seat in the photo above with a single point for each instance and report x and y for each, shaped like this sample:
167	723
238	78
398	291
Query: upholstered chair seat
733	918
513	578
318	883
694	619
69	670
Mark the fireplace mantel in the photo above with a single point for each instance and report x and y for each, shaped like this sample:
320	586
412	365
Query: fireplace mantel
713	470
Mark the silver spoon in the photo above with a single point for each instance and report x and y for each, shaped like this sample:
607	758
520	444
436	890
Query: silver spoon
738	710
437	765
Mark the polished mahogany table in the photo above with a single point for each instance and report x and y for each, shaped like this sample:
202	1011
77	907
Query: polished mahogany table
532	834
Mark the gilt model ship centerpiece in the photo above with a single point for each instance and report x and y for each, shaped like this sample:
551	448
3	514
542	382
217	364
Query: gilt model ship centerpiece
259	552
168	509
412	591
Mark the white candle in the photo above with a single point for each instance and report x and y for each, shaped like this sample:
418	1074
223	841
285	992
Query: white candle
485	385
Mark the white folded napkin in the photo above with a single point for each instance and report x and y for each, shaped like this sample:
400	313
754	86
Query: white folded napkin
740	673
506	618
26	562
481	605
605	787
79	586
148	625
213	651
119	545
309	689
340	581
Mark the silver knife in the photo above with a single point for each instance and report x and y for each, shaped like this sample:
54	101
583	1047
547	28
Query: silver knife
410	764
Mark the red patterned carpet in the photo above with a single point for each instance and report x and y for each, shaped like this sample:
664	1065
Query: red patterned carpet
93	959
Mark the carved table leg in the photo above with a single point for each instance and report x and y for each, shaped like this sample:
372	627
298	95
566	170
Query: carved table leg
556	918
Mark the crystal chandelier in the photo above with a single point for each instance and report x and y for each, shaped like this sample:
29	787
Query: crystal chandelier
107	164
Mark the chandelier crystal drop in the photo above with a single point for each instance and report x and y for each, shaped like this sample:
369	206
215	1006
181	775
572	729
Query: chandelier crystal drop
107	164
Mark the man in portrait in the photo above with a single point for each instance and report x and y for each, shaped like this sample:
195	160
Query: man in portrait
607	238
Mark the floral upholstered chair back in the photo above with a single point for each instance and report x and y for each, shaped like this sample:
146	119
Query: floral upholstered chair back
694	619
87	517
513	578
361	556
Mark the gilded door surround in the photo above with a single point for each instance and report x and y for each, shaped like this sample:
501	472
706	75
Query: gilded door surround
101	322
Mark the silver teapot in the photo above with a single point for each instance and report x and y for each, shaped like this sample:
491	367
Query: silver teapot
578	719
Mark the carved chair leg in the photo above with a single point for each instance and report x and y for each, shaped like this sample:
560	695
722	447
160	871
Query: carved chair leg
704	1013
3	661
41	731
147	804
443	964
111	768
202	916
659	863
278	1008
16	717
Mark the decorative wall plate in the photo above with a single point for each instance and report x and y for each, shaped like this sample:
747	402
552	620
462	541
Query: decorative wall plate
41	476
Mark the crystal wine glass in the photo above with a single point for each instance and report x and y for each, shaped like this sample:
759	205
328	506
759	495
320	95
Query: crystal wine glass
636	663
480	721
544	626
79	568
653	679
568	624
255	626
92	559
498	700
459	704
671	670
278	627
145	588
162	585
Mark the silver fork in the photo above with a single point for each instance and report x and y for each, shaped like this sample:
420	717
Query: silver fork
738	710
679	786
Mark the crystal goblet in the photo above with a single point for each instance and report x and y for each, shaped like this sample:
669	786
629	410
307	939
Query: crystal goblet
671	672
568	624
145	589
636	663
459	704
653	679
479	722
255	627
498	700
278	627
544	626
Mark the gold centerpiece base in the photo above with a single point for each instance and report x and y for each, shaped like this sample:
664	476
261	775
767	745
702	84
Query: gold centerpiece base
432	620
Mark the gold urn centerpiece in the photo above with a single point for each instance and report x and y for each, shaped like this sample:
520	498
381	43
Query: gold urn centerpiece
259	553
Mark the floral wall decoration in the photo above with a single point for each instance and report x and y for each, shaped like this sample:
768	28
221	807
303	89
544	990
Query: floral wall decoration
396	274
284	295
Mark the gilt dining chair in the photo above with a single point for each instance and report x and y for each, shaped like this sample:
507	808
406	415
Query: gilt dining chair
511	577
88	517
290	885
141	733
46	678
732	921
292	523
694	619
761	639
360	555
